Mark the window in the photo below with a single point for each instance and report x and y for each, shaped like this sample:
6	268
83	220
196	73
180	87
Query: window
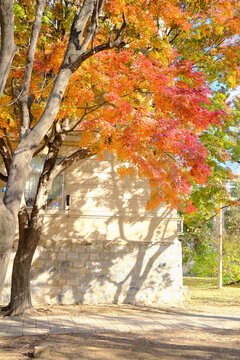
55	199
180	227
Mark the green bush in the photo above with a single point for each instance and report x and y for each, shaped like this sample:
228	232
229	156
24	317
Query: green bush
205	255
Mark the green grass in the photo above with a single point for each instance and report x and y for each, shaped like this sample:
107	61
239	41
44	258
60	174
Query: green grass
204	290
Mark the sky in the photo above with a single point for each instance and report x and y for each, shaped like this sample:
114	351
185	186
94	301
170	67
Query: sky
234	94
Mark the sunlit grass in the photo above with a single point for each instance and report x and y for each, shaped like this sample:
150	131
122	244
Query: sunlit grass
204	290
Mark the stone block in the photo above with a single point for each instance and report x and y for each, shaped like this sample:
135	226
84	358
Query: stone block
39	263
77	248
36	289
72	256
79	264
74	270
96	257
90	264
44	255
83	257
60	282
61	256
48	264
63	248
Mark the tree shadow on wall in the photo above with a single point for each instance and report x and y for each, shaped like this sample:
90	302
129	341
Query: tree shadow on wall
106	248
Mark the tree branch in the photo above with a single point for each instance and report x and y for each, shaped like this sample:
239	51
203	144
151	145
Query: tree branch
92	28
8	143
45	181
67	131
210	218
46	140
84	54
24	101
5	154
74	57
80	154
8	47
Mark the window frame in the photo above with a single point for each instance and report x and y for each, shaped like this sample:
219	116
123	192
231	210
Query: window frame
63	187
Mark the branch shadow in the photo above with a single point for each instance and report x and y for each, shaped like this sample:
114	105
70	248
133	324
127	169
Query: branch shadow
106	248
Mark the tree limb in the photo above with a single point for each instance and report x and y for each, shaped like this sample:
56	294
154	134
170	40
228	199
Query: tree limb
6	137
81	153
74	57
6	155
46	140
210	218
24	101
8	47
45	182
67	131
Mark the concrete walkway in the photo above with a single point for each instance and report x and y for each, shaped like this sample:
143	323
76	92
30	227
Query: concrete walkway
18	326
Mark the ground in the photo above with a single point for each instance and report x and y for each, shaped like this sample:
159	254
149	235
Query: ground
127	346
169	345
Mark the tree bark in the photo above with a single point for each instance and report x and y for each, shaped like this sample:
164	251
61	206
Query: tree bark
30	228
7	229
8	47
4	260
20	300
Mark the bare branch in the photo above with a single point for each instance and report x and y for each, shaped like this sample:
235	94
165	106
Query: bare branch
210	218
77	29
80	154
92	28
8	47
168	155
6	137
120	31
46	140
5	154
82	54
24	102
45	181
67	131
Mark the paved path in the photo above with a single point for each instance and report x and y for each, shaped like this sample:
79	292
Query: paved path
17	326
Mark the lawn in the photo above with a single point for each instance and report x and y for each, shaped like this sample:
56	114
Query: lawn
205	295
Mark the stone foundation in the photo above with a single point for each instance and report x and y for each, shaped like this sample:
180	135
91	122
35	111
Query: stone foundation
101	272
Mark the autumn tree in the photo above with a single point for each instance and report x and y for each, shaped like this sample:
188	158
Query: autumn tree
223	148
129	77
82	35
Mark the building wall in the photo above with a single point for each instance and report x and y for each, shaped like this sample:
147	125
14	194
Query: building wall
105	248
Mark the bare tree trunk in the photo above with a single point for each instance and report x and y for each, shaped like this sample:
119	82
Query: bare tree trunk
30	228
7	229
4	260
29	237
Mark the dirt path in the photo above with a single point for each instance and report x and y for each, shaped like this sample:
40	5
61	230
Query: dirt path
167	345
185	343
